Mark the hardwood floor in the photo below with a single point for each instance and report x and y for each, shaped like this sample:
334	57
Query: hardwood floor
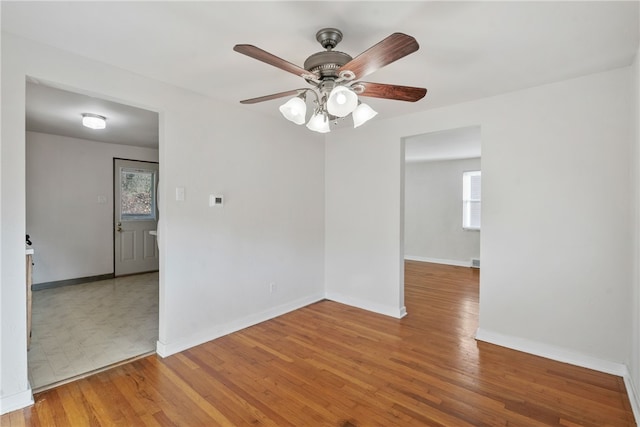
332	365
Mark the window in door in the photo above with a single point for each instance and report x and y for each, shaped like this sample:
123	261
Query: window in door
471	200
137	195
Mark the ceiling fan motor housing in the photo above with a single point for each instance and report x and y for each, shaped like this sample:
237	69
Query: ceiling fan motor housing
326	63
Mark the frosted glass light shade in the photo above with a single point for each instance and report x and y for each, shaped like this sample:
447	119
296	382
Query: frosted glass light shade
342	101
319	123
294	110
362	114
93	121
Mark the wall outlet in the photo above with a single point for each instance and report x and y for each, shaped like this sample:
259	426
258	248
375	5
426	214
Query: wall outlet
273	287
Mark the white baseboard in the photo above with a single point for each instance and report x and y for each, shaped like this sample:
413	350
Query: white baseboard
403	312
167	349
633	396
16	401
567	356
391	311
455	262
548	351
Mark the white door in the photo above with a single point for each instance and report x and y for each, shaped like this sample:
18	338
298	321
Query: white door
135	216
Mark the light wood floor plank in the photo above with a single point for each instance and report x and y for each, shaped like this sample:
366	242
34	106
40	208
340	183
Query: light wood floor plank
328	364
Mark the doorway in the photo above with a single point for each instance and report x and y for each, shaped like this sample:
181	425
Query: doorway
84	318
437	200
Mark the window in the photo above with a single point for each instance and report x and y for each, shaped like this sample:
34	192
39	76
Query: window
137	195
471	200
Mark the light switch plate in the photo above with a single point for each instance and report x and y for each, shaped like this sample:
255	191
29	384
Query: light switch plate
180	194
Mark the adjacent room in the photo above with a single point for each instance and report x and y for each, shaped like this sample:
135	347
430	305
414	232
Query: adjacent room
305	270
91	218
442	197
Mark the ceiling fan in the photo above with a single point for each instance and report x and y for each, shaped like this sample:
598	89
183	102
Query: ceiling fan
335	79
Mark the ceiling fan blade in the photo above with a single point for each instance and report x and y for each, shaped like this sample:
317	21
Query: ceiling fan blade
266	57
400	93
394	47
270	97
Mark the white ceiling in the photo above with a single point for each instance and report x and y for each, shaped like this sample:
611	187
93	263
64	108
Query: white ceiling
468	50
59	112
462	143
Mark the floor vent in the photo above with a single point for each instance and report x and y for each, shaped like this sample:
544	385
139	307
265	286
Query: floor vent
475	262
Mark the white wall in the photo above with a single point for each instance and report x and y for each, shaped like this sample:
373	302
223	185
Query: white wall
433	213
556	246
215	264
363	211
72	232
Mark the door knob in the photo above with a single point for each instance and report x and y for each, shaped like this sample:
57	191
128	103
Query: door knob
119	227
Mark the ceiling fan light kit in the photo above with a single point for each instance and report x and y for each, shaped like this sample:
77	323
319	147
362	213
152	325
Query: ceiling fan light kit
362	114
295	109
319	122
333	76
342	101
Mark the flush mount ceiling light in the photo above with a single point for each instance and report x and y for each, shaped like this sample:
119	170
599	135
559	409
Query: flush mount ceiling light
333	76
94	121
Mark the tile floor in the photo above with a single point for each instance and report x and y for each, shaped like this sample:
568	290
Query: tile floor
80	328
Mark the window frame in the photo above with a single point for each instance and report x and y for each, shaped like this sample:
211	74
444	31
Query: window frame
152	216
468	201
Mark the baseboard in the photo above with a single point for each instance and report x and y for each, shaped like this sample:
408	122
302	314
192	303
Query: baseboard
633	395
454	262
167	349
403	312
552	352
16	401
391	311
560	354
68	282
